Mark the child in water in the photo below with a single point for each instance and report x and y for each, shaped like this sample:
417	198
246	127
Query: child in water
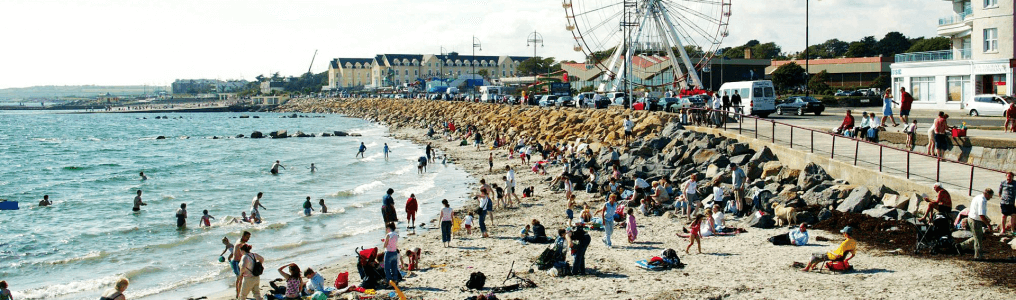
206	219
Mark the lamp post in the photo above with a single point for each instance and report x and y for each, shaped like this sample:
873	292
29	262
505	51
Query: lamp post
476	44
534	38
441	74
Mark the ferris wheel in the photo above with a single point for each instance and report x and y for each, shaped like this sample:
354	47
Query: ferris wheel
648	43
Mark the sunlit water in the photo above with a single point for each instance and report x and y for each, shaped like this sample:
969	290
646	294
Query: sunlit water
89	163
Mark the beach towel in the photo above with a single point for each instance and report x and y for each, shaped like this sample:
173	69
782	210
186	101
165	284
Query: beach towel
658	264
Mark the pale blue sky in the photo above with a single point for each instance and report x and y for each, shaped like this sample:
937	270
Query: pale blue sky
115	42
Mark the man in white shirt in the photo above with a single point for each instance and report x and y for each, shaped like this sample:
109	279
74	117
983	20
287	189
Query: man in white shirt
717	107
509	186
628	127
978	221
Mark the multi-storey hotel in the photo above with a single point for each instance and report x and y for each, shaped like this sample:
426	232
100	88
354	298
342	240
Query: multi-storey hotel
980	61
387	70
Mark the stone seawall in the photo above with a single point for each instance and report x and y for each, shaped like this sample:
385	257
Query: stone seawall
598	127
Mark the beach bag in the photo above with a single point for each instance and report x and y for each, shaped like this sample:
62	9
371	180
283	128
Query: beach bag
342	281
476	281
839	266
258	268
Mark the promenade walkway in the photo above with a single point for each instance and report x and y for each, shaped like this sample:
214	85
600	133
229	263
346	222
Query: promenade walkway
962	180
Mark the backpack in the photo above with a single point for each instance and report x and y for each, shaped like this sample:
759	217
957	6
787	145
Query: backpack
342	281
476	281
258	268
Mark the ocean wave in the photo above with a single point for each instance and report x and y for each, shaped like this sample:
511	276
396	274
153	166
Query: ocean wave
56	290
423	185
208	276
359	190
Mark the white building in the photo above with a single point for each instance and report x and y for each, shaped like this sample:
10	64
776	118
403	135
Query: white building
980	61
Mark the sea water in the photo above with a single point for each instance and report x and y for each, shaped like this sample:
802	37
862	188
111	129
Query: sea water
89	166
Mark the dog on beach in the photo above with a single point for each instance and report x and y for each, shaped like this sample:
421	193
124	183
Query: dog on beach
784	215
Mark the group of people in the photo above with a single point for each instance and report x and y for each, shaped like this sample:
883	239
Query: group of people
938	133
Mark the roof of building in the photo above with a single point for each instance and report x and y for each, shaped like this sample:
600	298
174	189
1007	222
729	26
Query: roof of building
840	65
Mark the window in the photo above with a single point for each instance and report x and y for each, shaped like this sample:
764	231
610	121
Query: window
923	88
958	88
990	3
990	39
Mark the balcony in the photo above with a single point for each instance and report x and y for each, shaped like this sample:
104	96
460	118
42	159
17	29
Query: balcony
956	25
941	55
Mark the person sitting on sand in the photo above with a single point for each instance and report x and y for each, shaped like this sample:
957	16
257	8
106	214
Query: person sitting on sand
115	293
45	201
587	215
315	283
539	234
849	245
294	283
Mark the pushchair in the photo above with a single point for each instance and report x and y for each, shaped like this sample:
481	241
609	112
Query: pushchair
935	237
371	272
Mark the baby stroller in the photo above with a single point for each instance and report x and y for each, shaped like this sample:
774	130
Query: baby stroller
371	272
935	237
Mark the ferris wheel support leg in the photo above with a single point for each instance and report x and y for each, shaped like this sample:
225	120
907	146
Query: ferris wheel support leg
695	80
674	66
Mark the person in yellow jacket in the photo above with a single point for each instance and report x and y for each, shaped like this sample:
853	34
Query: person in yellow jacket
847	246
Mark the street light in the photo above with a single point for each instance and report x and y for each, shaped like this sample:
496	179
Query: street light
534	38
807	57
476	44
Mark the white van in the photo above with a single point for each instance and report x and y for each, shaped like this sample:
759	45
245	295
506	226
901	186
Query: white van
758	97
987	105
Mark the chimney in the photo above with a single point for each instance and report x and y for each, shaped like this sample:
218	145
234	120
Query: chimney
747	53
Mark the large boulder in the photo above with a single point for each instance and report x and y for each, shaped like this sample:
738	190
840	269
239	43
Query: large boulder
812	175
740	160
659	143
881	212
737	149
257	135
823	195
281	134
763	156
771	168
340	133
895	201
806	217
788	176
858	201
713	171
824	214
706	155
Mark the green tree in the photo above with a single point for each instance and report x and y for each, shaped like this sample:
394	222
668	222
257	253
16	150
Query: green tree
692	50
588	88
829	49
932	44
893	43
484	73
765	51
788	76
818	83
862	48
536	65
880	82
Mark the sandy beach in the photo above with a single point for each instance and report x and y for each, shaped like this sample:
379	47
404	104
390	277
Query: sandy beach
745	266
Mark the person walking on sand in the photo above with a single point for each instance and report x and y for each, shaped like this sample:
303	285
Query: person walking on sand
695	234
978	222
362	150
607	215
446	217
388	207
429	150
887	108
247	282
45	201
631	227
490	162
509	186
138	203
307	207
386	150
275	168
115	293
255	213
411	207
205	219
181	216
484	209
1007	198
237	254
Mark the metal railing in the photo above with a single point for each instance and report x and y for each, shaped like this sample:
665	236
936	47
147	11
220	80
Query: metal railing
925	56
956	18
806	137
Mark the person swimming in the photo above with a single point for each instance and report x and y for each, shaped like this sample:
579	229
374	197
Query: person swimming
275	167
206	219
45	201
324	209
313	168
143	177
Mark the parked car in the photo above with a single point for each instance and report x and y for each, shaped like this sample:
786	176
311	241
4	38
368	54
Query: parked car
800	105
988	105
564	101
670	104
649	103
547	100
695	101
